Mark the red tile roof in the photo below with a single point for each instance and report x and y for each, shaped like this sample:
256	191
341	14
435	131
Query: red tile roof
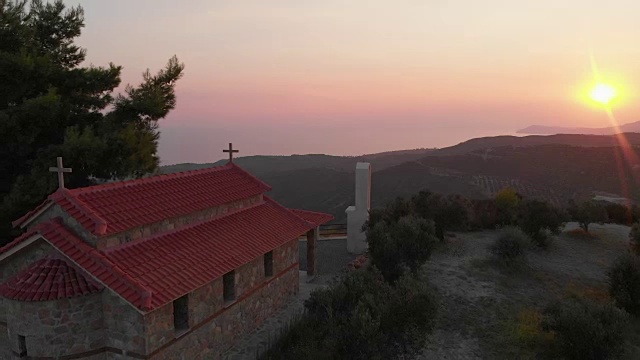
316	218
115	207
91	260
49	278
150	272
177	262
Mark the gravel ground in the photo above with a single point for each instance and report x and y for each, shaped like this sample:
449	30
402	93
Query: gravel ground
331	258
478	299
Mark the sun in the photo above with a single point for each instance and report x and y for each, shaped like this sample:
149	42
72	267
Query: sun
603	93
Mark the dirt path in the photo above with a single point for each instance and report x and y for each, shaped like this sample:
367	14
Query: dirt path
479	301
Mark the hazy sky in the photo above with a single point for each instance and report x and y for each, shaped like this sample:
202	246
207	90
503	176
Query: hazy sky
356	76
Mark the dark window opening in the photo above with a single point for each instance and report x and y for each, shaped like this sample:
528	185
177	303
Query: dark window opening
268	264
181	314
22	346
229	286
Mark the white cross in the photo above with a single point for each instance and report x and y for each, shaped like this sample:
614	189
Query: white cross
231	151
60	170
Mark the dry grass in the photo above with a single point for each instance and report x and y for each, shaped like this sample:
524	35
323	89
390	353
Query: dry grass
494	312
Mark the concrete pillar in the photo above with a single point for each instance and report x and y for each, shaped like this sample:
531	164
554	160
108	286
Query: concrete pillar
357	215
312	245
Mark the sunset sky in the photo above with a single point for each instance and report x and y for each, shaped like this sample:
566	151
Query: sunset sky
348	77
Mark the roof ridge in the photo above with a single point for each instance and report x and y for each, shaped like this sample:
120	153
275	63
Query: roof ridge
260	182
150	179
144	240
101	260
275	203
99	223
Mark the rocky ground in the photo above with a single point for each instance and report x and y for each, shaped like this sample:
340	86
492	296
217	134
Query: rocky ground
480	301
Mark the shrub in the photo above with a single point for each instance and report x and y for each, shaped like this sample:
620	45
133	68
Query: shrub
510	245
624	283
536	218
589	212
448	213
587	330
405	244
364	317
507	201
619	214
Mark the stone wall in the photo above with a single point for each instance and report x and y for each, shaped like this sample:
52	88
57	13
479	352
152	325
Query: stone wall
170	224
124	325
56	328
56	211
12	265
216	326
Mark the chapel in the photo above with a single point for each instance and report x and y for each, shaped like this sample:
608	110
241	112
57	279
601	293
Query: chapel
176	266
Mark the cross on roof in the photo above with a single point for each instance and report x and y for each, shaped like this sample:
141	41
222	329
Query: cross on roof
230	151
60	170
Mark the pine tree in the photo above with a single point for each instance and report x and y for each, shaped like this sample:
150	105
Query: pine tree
52	106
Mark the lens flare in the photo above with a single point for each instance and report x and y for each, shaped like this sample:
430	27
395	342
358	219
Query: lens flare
603	94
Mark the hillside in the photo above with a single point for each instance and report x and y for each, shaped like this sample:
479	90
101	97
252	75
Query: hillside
262	165
542	129
554	168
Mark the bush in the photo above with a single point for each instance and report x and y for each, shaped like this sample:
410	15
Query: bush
624	283
448	213
403	245
536	218
507	201
510	245
619	214
587	330
588	212
361	317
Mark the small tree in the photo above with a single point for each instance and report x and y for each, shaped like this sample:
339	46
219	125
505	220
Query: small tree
624	283
537	217
448	213
397	246
586	330
507	201
589	212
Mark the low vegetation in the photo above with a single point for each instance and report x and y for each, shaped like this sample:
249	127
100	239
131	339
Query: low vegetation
397	246
361	317
624	283
586	330
588	212
538	219
509	247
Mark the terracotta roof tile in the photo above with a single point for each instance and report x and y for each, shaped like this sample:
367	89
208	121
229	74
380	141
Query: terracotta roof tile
49	278
316	218
116	207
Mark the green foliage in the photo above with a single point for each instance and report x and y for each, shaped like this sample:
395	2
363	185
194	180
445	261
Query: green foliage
588	212
401	245
510	245
536	218
361	317
484	214
448	213
624	283
621	214
391	213
587	330
507	201
50	106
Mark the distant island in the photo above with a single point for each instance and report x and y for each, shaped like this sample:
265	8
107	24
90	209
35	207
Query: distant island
550	130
